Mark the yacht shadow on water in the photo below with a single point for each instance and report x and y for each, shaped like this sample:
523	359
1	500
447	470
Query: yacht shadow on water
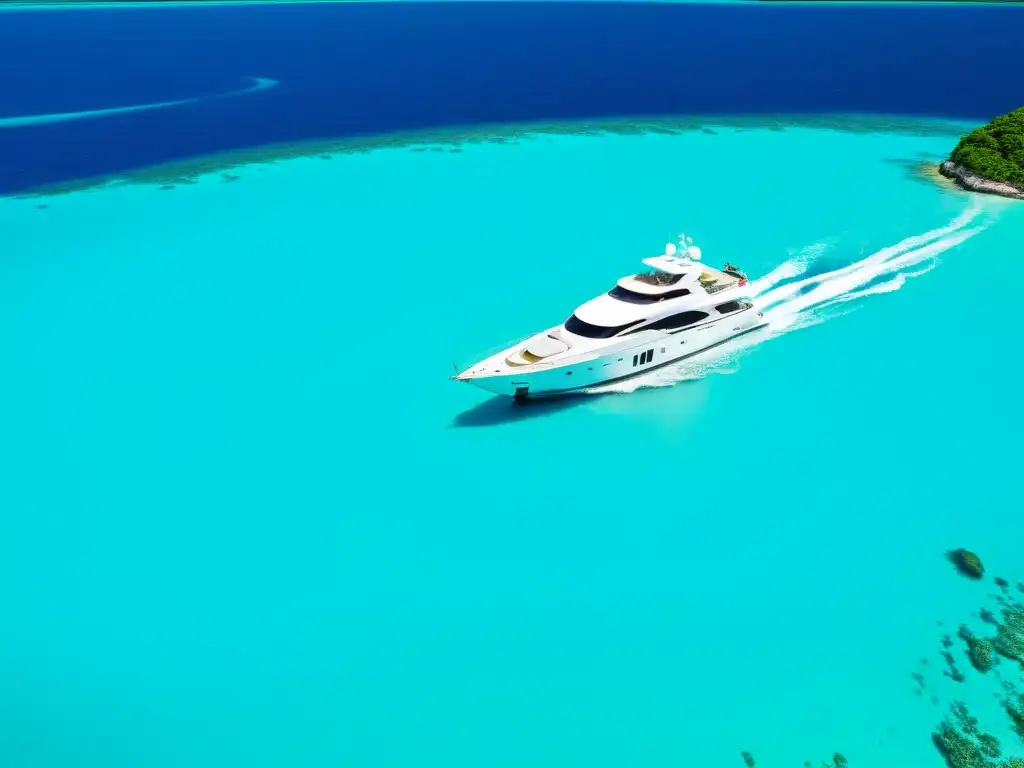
504	410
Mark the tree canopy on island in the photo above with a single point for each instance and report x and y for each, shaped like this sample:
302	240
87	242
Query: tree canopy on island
995	151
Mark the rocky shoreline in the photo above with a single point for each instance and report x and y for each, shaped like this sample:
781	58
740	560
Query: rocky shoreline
972	181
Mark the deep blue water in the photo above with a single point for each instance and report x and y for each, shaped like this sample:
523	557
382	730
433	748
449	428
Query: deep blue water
364	68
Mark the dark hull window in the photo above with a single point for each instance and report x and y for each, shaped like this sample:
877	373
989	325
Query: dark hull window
643	358
632	297
729	306
581	328
674	322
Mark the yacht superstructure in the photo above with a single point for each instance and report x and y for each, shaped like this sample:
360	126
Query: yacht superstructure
678	308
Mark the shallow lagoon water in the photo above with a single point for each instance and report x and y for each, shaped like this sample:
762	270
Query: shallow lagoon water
253	522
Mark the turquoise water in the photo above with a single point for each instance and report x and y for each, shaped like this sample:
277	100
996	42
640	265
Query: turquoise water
251	521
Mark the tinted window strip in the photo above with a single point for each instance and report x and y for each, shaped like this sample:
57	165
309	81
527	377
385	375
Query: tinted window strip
635	297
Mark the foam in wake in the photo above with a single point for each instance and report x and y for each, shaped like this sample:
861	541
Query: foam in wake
259	84
791	298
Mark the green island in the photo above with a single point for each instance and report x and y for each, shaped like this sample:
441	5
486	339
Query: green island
991	158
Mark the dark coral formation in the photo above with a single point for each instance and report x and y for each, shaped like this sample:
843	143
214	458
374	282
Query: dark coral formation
962	746
967	746
1015	709
1009	639
981	655
959	738
989	745
953	671
968	563
919	679
979	650
958	750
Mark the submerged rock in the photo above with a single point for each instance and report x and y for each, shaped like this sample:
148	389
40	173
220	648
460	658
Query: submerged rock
748	759
979	650
968	563
981	655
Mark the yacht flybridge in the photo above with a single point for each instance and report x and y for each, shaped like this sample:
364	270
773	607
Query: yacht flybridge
677	309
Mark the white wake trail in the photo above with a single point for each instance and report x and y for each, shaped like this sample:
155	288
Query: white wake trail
259	84
842	283
787	269
799	303
763	300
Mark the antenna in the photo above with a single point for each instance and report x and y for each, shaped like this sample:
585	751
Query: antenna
455	367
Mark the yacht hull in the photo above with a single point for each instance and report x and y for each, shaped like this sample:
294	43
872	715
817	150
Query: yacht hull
616	364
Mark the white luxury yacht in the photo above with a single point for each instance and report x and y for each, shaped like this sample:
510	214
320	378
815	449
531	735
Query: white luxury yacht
678	309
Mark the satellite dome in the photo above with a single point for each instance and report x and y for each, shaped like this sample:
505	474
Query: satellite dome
693	252
670	249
